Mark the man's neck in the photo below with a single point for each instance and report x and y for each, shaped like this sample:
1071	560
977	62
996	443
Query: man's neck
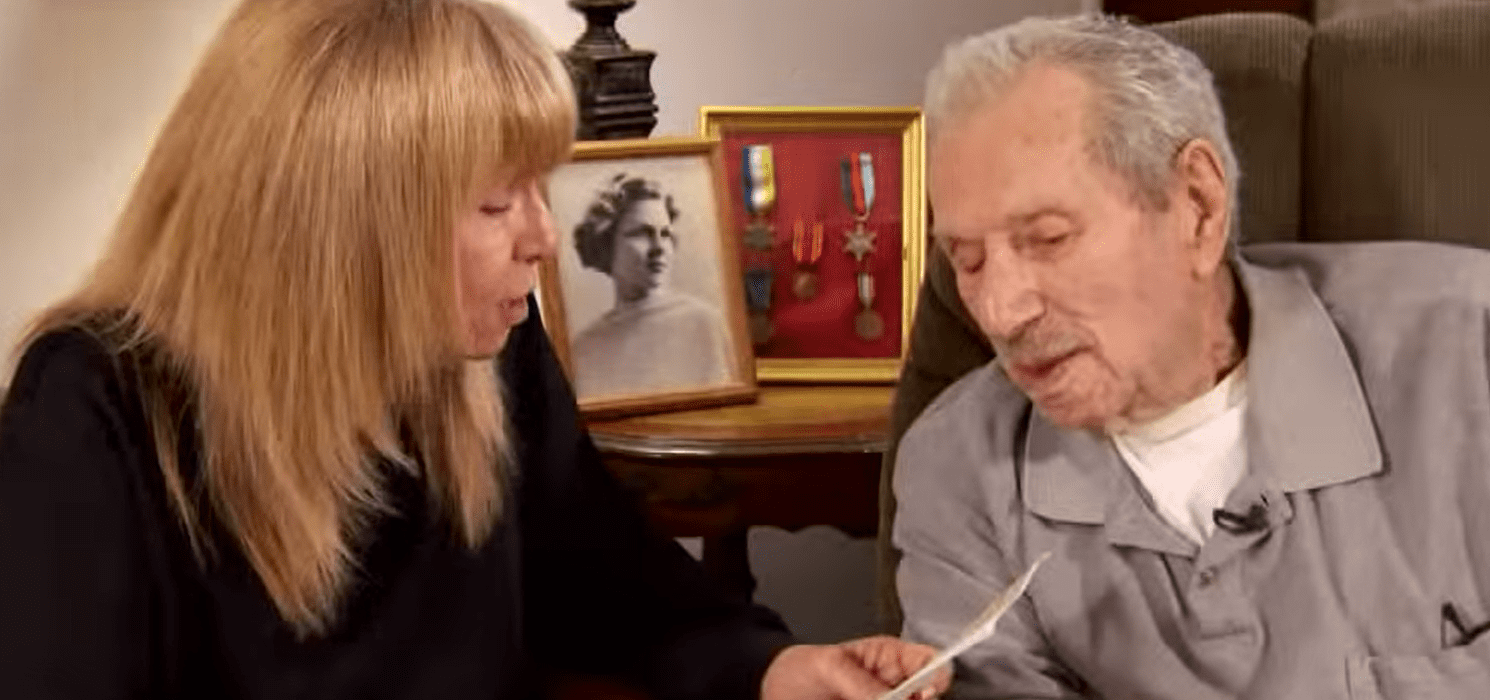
1223	344
1229	345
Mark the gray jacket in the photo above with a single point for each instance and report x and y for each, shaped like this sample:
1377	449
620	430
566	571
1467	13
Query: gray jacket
1368	431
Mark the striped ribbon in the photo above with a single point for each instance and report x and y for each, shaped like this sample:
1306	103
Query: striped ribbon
759	178
806	250
866	289
858	183
758	289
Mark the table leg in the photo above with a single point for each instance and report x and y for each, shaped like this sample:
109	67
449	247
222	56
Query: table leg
727	560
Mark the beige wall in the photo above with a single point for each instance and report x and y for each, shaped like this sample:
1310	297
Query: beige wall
85	83
806	52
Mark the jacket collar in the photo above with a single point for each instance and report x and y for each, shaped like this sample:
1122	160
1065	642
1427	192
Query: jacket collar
1308	424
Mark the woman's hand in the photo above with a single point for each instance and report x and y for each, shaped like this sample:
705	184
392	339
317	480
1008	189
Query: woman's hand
861	669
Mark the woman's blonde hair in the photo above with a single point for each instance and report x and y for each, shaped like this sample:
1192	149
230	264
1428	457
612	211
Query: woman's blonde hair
287	252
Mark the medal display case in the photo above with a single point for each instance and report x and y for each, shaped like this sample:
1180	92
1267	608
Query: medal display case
829	203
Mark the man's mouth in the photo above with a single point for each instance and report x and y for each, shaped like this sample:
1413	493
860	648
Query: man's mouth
1039	369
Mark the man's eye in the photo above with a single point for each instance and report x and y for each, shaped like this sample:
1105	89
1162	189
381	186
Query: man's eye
965	256
1051	241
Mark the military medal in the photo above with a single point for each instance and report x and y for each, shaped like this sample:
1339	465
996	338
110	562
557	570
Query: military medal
759	235
858	192
760	195
867	323
806	249
859	242
758	299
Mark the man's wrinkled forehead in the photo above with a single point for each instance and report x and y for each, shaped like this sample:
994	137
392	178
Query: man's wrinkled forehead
1013	155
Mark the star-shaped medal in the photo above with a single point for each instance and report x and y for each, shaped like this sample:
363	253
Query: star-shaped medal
860	242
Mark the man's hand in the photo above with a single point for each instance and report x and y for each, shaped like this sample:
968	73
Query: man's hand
862	669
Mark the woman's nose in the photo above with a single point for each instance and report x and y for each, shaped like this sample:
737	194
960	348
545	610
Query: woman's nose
539	239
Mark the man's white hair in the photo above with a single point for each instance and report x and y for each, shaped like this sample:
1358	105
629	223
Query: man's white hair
1150	97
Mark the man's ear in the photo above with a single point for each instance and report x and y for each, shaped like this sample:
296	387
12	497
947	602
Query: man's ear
1201	192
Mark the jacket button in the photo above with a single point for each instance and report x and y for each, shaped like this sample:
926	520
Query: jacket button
1207	577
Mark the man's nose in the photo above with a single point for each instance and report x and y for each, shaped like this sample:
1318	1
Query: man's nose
1008	296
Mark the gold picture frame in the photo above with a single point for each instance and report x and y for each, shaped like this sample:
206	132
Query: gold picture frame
821	130
652	320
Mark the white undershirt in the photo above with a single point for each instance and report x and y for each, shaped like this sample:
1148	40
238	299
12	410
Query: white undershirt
1190	459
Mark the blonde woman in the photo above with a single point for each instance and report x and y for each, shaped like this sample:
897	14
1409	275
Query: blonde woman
298	435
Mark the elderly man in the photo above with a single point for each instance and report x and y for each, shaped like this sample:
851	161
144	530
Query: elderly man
1261	474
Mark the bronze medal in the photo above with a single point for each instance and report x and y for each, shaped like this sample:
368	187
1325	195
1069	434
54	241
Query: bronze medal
806	249
868	325
804	284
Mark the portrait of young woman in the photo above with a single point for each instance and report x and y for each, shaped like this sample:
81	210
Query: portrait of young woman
643	294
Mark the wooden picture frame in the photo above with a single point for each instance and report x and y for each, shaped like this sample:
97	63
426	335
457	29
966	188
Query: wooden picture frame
651	320
817	338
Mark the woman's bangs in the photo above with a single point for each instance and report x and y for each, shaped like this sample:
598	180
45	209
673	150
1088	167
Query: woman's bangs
526	126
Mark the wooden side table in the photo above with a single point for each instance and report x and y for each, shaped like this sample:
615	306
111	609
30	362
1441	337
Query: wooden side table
799	456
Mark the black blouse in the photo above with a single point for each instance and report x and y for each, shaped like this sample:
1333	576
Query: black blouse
101	597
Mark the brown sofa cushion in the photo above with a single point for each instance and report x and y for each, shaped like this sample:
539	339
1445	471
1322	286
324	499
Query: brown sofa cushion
1398	137
1258	61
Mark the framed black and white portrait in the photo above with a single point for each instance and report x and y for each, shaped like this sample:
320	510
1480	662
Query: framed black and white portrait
643	300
